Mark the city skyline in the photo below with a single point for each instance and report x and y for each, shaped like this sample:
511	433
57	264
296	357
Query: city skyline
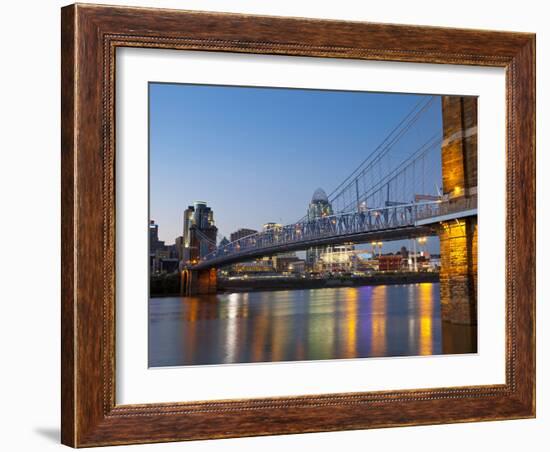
266	150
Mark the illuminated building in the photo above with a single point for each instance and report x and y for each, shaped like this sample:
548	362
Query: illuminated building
337	258
199	231
253	267
390	262
279	260
241	233
318	207
297	267
282	263
273	226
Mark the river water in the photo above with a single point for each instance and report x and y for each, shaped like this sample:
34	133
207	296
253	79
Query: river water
295	325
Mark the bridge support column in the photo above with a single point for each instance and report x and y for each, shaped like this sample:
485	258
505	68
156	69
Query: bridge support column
458	274
458	238
199	282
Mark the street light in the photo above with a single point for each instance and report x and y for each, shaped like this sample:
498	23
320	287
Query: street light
422	241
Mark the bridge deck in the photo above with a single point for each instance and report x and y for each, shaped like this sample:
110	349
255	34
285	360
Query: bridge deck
388	223
302	245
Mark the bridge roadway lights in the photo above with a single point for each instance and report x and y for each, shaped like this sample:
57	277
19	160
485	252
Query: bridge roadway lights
198	282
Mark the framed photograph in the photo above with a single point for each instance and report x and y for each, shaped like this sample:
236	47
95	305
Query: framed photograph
281	225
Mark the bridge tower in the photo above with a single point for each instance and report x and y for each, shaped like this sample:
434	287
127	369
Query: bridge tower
458	237
198	282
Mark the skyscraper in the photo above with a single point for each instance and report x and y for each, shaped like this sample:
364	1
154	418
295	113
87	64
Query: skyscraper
154	242
318	207
199	231
158	251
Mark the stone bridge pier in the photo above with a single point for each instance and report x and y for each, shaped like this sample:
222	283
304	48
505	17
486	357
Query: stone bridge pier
198	282
458	237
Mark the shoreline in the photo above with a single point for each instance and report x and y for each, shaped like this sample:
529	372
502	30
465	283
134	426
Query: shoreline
269	285
225	286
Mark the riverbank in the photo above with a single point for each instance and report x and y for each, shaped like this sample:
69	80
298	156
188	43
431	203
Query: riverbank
265	284
168	285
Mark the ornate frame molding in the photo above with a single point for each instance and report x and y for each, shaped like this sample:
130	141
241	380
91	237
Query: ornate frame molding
90	36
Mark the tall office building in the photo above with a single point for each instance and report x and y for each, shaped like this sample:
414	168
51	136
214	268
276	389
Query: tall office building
159	253
154	242
318	207
199	231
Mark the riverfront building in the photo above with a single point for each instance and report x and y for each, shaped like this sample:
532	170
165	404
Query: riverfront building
337	258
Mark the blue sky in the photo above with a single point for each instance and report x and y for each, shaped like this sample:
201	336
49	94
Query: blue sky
257	154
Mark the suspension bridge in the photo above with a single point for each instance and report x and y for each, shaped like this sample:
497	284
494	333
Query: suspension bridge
420	180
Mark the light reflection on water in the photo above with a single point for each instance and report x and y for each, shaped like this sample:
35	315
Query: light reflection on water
311	324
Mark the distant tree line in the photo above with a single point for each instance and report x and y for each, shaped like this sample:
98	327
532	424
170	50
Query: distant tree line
164	284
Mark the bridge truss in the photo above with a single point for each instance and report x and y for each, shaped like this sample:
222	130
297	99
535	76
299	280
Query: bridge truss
394	222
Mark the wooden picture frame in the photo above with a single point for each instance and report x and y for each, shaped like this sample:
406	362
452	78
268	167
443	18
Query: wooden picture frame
90	36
